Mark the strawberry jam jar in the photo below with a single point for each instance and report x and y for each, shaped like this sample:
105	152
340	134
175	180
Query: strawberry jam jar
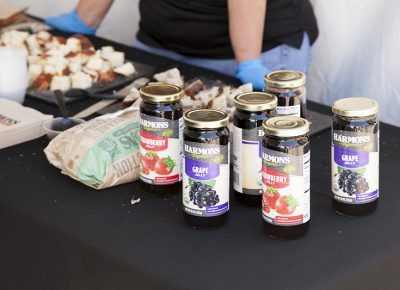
161	125
286	177
206	168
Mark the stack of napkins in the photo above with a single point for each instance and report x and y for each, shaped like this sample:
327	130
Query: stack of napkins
19	124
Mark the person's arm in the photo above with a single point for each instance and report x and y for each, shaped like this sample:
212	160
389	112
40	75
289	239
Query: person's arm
84	19
92	12
246	28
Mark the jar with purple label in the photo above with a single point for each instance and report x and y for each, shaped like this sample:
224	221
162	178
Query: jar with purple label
355	156
206	168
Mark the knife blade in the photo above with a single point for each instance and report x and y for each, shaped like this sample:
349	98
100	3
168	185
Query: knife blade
105	103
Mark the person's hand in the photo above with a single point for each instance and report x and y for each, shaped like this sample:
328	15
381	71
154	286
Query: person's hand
70	22
252	71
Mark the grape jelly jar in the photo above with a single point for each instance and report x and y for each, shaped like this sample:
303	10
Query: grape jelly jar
161	126
251	110
205	168
289	87
286	177
355	156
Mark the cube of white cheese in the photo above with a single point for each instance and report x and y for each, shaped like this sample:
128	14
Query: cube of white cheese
74	66
106	49
64	49
33	59
32	43
126	69
14	38
55	51
95	63
116	58
62	83
43	35
92	73
51	44
49	69
34	71
106	67
81	80
74	44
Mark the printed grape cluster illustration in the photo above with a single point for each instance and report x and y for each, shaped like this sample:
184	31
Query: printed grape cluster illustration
352	182
203	195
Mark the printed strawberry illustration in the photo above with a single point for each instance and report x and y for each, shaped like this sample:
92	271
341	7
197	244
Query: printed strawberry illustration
151	159
265	204
164	166
143	165
145	170
272	195
286	204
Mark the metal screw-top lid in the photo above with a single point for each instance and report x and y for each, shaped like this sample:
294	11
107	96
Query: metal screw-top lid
206	119
158	93
355	107
285	79
286	126
255	101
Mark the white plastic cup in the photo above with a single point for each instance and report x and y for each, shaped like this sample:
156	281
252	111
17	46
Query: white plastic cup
13	73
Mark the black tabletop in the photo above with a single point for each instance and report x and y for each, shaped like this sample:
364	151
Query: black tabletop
56	233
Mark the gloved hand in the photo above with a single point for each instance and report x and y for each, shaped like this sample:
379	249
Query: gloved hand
70	22
252	71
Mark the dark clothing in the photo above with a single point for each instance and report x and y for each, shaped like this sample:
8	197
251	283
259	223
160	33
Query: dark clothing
200	28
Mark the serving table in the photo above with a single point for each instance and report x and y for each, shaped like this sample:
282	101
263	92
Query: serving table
56	233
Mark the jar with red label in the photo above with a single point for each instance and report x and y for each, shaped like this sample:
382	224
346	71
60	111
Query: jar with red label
161	125
286	177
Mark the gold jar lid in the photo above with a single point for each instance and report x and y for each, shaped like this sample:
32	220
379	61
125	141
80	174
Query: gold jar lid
206	119
285	79
255	101
158	93
286	126
355	107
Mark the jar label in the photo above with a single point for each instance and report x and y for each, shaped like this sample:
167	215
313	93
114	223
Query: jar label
288	110
286	188
205	179
247	161
160	150
355	167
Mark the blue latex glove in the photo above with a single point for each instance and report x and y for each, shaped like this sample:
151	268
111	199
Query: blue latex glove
70	22
252	71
